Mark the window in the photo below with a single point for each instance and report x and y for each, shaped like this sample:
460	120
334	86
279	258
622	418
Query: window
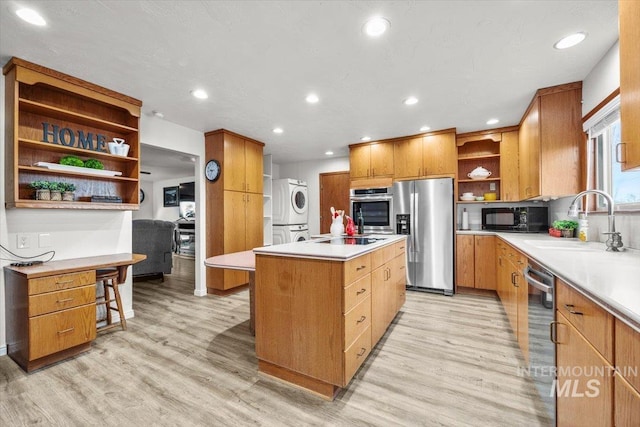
607	175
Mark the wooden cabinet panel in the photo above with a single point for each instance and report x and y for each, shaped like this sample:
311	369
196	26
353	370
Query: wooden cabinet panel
589	319
400	247
407	155
584	394
58	331
233	169
253	167
379	301
357	268
359	161
61	281
629	13
356	321
439	154
235	232
253	221
627	354
627	403
61	300
485	262
381	159
509	167
356	292
355	355
465	260
529	150
382	255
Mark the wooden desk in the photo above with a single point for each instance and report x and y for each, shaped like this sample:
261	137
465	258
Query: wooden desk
245	261
51	310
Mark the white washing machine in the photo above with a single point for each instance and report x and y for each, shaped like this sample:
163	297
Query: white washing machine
290	233
290	202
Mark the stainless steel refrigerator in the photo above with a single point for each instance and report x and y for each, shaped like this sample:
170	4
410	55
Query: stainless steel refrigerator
423	209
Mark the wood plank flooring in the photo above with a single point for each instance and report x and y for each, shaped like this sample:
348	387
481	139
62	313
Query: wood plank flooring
186	360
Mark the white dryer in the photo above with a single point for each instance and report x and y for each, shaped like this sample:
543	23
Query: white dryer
290	233
290	202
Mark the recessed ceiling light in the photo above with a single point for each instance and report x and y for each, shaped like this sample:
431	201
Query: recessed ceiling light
277	130
410	100
312	98
376	26
365	138
31	16
199	93
424	128
570	41
492	121
329	153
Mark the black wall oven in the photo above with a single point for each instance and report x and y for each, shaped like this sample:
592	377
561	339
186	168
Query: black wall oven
376	205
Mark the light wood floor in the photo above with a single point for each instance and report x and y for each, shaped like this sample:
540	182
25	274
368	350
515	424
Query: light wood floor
185	360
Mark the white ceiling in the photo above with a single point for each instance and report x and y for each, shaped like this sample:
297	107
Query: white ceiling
467	61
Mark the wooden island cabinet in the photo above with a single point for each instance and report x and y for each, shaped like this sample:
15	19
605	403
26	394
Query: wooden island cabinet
318	319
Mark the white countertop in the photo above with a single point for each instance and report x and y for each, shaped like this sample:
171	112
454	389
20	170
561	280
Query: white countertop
317	250
612	279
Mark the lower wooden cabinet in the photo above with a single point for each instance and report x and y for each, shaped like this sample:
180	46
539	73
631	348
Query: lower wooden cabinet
627	403
476	261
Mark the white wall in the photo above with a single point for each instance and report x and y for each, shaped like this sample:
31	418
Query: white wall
602	80
310	172
146	207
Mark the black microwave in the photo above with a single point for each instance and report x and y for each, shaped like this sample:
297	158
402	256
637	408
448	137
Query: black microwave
524	219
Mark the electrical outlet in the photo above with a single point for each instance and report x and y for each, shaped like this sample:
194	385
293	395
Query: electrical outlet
492	186
22	241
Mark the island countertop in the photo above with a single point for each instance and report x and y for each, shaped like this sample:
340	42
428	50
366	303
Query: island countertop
329	248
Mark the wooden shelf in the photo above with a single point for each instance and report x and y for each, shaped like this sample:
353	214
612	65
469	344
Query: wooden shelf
46	204
462	202
478	180
478	157
58	148
59	113
39	170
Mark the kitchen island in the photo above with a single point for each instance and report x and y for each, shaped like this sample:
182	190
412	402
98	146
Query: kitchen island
322	305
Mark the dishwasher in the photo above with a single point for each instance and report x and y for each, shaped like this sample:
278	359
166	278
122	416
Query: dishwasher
542	354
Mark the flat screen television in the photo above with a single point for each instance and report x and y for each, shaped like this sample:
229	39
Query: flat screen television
188	192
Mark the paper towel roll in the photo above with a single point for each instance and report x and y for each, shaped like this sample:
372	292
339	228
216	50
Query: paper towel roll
465	220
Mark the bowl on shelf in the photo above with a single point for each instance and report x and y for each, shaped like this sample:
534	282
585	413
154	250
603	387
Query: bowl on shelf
467	194
490	196
479	198
467	198
479	173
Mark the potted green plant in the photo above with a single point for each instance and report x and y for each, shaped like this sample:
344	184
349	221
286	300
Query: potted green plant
56	190
67	191
42	190
567	227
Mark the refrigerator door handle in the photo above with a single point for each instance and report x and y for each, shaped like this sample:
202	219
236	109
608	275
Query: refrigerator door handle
414	218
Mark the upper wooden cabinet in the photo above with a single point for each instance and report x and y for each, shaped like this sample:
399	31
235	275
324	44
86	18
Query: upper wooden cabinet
241	161
432	154
549	140
371	160
50	115
495	150
629	12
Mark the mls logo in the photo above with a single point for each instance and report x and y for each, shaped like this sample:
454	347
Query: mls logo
570	388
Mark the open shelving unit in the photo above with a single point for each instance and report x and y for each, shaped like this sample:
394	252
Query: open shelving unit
267	188
50	115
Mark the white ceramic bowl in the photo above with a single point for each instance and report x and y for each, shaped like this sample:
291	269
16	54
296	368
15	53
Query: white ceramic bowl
467	198
479	199
467	194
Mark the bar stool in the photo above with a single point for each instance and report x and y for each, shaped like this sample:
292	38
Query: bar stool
105	280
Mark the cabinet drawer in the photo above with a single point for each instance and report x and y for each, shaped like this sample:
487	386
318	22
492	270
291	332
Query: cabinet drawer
58	331
61	281
592	321
400	247
356	321
628	353
356	292
382	255
356	268
61	300
355	355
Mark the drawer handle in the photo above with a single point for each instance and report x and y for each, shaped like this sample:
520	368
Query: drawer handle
361	267
570	309
61	301
402	268
362	352
66	330
401	247
65	282
361	291
362	319
553	332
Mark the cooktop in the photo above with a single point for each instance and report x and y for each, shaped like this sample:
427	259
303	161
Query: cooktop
351	240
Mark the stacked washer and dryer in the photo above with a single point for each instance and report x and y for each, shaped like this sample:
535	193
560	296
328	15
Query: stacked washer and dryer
290	211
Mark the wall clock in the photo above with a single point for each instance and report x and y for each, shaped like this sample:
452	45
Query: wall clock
212	170
141	195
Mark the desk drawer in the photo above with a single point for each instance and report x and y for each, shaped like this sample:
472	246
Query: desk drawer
61	300
356	292
51	333
356	321
61	281
355	355
592	321
356	268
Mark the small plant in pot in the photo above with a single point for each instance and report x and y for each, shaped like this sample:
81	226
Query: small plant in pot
567	227
56	190
67	191
42	190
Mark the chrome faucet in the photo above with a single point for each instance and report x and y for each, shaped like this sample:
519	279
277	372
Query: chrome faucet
614	241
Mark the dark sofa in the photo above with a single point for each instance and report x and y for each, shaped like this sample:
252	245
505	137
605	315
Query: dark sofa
155	239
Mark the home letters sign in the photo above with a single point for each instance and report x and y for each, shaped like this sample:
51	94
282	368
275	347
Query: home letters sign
67	137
